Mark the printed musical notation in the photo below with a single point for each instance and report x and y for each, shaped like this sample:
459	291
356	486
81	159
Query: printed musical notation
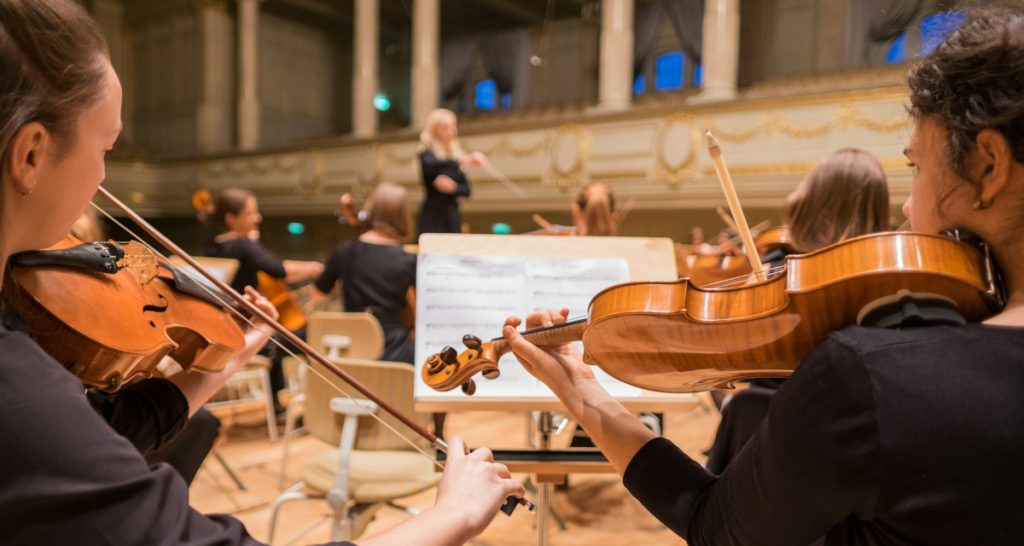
475	294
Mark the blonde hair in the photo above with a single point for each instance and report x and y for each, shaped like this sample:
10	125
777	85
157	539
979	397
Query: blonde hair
845	195
596	206
389	210
428	142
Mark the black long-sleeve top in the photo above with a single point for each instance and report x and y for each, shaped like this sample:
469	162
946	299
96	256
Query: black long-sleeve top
252	258
880	437
66	474
440	211
375	278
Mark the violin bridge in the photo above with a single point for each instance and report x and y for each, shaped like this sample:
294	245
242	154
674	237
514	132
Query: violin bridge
140	262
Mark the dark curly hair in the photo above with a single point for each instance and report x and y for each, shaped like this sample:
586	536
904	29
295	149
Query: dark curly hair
974	80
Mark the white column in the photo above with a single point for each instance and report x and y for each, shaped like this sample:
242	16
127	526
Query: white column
109	14
366	72
615	83
426	62
248	74
721	49
213	113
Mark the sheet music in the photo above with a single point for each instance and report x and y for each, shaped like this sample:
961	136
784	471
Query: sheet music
458	295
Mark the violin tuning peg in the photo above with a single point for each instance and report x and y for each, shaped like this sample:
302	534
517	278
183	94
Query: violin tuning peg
434	364
492	374
449	355
469	387
472	342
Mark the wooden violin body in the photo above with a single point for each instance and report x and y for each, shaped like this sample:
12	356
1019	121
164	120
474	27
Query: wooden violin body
280	295
110	330
678	337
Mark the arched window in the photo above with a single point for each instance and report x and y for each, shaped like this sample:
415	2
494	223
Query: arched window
668	71
897	52
485	95
640	84
936	27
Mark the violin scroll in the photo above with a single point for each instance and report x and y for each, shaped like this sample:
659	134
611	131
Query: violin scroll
449	369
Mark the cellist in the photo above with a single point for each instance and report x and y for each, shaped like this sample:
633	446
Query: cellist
67	476
879	437
237	217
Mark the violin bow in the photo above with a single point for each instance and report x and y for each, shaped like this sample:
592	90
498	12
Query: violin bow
734	205
435	441
506	181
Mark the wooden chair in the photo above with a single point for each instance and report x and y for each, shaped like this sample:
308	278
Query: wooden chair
336	335
370	467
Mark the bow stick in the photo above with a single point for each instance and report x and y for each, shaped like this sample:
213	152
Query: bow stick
438	443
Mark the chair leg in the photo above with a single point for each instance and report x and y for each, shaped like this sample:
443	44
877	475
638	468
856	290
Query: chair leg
341	523
291	416
231	473
361	515
293	493
271	418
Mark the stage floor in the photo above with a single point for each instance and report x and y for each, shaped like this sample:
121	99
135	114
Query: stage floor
596	508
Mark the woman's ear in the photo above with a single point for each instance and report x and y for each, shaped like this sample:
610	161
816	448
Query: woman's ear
993	163
28	152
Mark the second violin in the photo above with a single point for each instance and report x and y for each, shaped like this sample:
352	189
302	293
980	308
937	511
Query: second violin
677	337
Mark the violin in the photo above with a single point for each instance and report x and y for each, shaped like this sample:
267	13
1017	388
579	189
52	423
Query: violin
714	269
110	316
302	345
680	337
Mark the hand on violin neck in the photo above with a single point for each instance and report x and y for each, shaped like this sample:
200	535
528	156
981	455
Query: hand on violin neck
561	368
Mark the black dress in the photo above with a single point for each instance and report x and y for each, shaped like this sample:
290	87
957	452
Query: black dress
252	258
375	278
909	436
440	211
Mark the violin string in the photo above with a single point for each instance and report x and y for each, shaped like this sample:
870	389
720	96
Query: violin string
728	283
412	443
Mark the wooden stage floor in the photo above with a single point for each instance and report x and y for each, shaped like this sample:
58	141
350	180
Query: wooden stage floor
596	508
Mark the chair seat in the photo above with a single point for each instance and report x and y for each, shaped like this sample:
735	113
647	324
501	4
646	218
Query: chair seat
375	476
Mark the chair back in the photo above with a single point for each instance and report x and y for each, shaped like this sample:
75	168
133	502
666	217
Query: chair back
392	381
363	328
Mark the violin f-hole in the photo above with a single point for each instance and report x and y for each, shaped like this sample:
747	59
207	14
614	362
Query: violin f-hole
156	308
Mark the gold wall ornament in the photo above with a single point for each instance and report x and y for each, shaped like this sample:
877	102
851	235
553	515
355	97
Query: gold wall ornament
664	169
277	165
792	167
311	182
845	117
504	146
568	155
379	164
